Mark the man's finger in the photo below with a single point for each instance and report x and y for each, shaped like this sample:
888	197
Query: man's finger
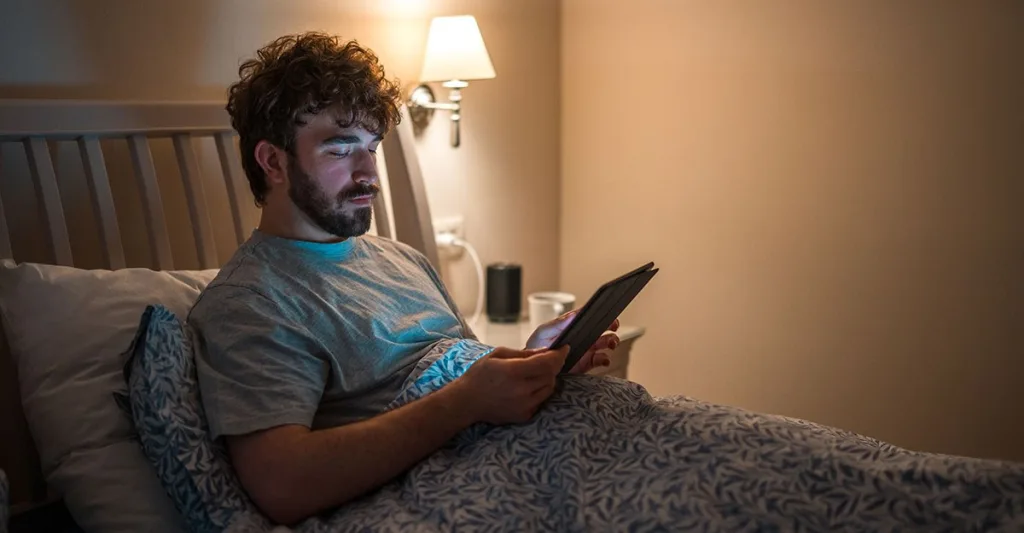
551	361
547	362
584	364
608	341
614	326
509	353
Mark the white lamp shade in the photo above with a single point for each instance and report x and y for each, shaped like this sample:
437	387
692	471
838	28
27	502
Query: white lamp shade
456	51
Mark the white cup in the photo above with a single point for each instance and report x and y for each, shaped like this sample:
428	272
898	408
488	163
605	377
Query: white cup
547	306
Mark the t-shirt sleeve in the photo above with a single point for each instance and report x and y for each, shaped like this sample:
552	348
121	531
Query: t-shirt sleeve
257	368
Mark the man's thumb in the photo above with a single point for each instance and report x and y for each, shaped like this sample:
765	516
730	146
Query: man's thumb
562	352
509	353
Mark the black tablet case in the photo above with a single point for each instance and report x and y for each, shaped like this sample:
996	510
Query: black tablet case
600	311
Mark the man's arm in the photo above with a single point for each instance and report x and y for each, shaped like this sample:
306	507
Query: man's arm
291	472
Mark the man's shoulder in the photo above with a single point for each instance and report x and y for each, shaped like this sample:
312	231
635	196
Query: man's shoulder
242	272
243	279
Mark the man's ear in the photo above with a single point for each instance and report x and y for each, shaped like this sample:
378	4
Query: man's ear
273	161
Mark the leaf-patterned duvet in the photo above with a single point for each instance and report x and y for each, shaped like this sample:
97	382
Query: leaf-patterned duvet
603	455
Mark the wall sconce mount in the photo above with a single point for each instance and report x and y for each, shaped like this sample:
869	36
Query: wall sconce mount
422	104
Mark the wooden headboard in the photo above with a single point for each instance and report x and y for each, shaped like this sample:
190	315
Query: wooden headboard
34	226
38	124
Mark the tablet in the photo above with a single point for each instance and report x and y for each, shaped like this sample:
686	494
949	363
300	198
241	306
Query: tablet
598	314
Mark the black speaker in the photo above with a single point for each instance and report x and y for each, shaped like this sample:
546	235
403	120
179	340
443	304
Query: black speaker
504	292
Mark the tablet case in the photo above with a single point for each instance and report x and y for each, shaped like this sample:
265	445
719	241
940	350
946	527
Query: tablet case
597	315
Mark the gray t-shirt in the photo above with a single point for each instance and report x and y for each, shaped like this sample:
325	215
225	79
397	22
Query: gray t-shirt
293	332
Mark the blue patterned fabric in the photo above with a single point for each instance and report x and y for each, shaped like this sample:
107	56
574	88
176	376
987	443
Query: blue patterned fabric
163	400
5	502
603	455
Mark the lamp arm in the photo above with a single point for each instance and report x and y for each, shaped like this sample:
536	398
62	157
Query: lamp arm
439	105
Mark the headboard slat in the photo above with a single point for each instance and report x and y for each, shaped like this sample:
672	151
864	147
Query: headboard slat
408	191
152	204
5	235
236	186
380	216
198	210
102	201
45	179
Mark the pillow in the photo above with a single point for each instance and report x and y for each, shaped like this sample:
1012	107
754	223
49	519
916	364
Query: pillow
68	330
163	400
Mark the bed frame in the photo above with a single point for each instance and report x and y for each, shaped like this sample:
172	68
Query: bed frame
39	125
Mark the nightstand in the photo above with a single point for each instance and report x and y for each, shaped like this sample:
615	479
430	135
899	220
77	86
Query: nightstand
515	336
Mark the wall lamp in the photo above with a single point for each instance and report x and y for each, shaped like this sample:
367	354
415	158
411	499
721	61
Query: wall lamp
455	54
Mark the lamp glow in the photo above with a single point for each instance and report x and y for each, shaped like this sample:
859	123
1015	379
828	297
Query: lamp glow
455	53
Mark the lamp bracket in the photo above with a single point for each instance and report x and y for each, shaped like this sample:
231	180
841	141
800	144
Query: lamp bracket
422	104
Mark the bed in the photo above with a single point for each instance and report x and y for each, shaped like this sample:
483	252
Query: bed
602	454
92	184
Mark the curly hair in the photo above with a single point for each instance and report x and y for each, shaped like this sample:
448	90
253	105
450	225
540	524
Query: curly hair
306	73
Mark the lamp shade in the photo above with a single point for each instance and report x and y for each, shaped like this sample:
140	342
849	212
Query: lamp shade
456	51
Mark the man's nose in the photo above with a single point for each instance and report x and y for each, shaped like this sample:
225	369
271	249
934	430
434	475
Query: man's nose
366	171
365	178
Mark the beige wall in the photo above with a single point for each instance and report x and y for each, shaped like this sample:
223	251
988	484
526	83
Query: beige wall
507	166
832	189
834	192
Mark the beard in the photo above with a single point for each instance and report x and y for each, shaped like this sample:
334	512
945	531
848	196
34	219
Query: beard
325	212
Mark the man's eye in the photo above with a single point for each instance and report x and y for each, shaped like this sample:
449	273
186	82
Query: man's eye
338	154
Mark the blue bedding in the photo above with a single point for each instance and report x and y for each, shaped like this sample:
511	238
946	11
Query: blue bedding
603	455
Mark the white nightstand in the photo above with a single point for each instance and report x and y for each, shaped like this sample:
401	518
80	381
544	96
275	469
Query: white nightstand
515	336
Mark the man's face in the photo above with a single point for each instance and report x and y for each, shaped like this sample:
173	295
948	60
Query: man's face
333	177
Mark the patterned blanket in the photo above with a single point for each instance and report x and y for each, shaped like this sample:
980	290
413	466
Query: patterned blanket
603	455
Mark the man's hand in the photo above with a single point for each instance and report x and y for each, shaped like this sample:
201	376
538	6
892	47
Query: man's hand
507	386
595	356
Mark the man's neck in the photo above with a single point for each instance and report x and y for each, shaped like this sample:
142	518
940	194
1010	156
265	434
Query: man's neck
289	222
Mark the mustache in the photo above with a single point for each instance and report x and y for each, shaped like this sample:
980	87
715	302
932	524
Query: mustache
360	190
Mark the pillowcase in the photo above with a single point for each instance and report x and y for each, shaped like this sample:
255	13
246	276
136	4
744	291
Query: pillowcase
68	330
163	400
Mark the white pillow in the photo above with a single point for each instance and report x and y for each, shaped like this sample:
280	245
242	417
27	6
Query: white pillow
68	330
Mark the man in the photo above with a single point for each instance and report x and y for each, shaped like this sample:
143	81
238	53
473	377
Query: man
312	327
